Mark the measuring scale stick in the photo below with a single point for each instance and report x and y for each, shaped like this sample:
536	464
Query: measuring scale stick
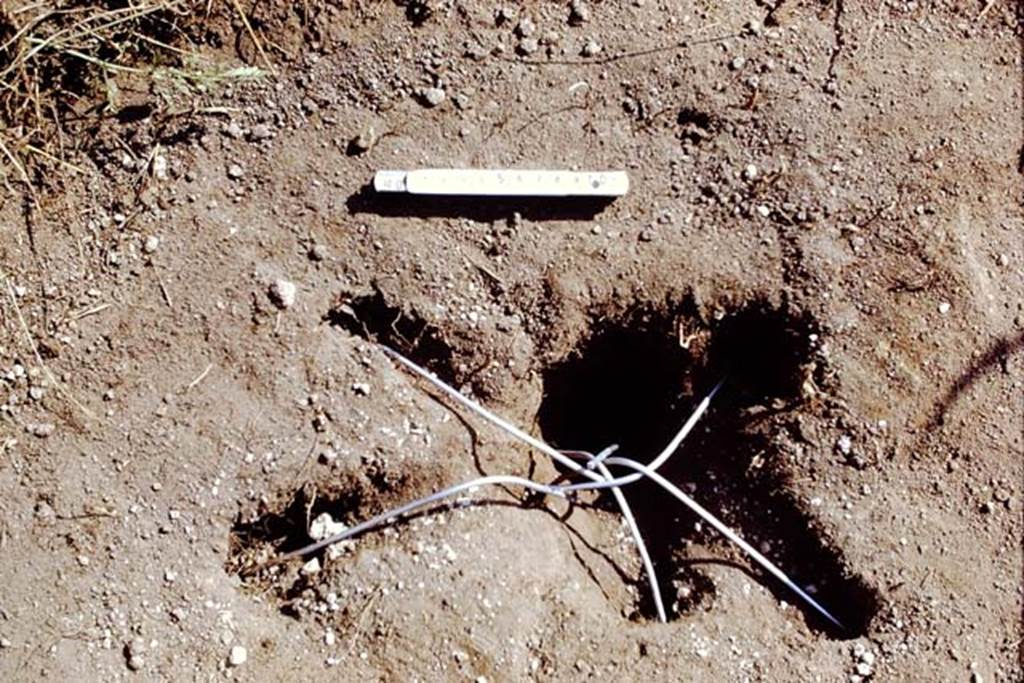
503	183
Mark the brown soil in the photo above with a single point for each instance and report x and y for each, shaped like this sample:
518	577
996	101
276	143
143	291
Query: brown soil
863	288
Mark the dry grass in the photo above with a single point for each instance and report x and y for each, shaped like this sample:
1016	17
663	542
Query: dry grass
63	63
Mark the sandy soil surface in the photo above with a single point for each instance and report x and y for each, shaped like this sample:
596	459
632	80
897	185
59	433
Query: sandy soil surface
825	210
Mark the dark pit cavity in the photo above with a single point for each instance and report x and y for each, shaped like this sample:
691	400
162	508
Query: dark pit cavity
633	383
374	319
695	126
277	528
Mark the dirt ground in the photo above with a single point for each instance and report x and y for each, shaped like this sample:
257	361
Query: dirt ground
825	210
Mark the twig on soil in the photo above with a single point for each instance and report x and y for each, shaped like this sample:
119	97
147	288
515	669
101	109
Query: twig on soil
199	378
90	311
252	34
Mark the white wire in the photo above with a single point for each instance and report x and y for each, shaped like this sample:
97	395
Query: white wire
666	452
627	514
491	417
644	470
420	502
600	480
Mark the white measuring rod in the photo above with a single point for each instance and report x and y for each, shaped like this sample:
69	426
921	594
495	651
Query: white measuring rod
504	182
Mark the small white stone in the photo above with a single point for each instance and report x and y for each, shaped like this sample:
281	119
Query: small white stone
42	429
238	656
525	28
160	167
311	567
282	293
329	638
591	48
527	46
578	13
763	211
324	526
134	652
750	172
152	244
868	657
361	388
864	669
235	171
737	63
432	97
844	444
944	307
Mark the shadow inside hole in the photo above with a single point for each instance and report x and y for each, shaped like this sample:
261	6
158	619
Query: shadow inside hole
287	529
481	209
372	318
626	387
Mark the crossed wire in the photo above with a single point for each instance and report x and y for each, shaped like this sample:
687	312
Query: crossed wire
594	468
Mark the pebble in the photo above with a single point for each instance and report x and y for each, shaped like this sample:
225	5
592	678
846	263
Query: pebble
503	15
579	13
363	142
42	429
238	656
151	244
527	46
944	307
329	638
750	172
844	444
160	167
431	97
525	28
864	669
311	567
591	48
282	293
317	252
235	171
134	653
234	130
361	388
763	211
324	526
260	131
737	63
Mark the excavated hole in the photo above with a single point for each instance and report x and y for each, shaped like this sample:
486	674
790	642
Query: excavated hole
278	527
633	383
372	318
